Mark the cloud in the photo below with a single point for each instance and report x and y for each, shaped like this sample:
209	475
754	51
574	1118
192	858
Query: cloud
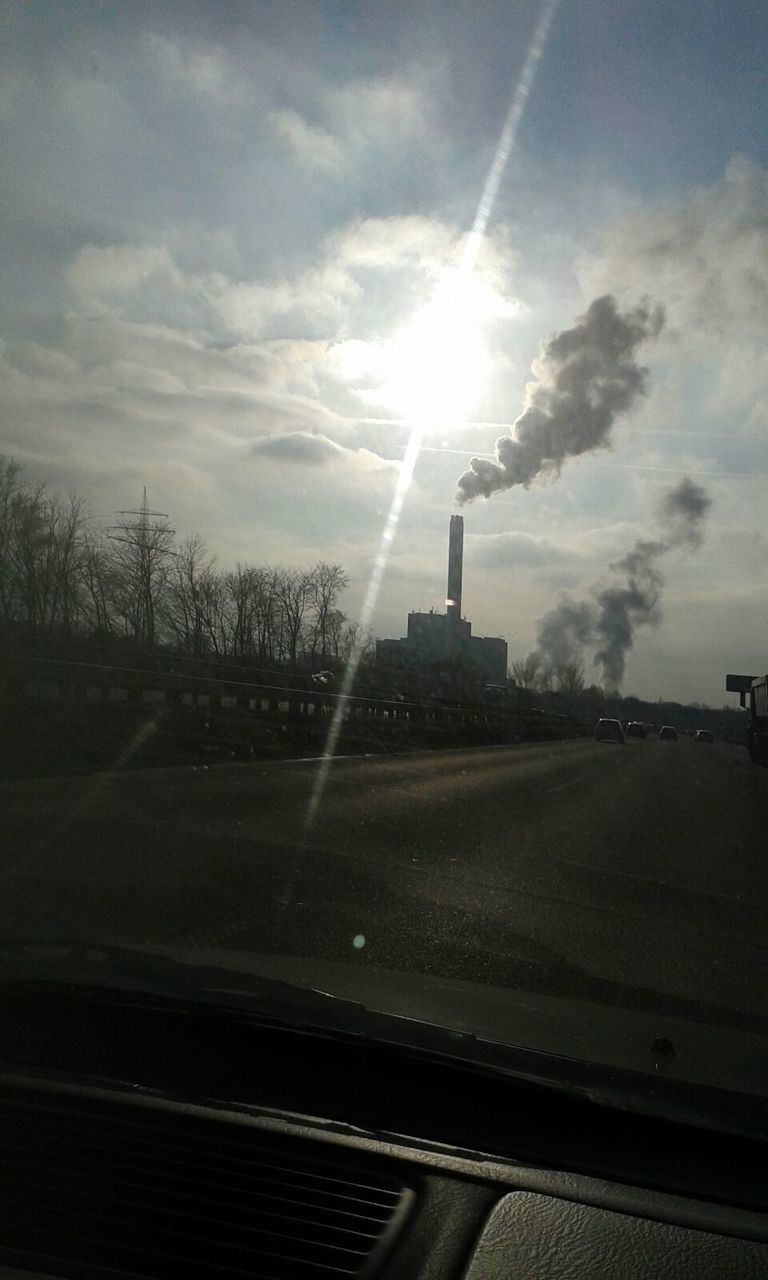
367	276
200	68
143	283
515	550
48	355
313	147
105	271
109	397
415	242
299	446
579	549
384	110
313	450
706	252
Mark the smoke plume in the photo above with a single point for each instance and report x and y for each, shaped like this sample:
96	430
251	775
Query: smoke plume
612	612
681	513
564	632
586	376
622	607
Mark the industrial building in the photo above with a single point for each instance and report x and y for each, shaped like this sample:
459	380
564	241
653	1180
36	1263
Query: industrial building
433	638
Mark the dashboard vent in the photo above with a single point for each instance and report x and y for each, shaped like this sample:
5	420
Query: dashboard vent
90	1188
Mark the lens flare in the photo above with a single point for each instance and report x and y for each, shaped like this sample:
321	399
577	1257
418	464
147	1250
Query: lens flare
436	367
437	364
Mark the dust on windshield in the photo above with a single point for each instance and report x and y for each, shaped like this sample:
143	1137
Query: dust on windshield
382	494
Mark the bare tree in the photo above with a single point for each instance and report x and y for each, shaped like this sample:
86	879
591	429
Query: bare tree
183	595
215	613
241	585
526	670
569	679
266	613
294	594
27	552
327	581
11	490
337	632
42	539
354	641
96	586
65	540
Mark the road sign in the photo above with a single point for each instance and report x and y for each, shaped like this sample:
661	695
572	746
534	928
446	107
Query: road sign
738	684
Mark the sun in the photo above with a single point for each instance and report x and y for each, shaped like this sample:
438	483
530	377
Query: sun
436	367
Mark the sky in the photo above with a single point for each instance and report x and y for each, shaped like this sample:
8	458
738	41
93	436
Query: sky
234	269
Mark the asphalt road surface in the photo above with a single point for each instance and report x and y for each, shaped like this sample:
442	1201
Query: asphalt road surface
634	875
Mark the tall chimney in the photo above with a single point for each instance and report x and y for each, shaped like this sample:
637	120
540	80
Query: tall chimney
455	567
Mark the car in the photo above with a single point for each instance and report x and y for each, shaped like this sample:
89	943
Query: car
704	735
668	733
635	729
608	731
323	677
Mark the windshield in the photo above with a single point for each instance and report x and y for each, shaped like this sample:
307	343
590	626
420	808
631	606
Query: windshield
385	428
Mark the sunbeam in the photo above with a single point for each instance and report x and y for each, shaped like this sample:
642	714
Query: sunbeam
439	361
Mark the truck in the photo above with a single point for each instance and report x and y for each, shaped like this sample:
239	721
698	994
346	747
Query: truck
757	729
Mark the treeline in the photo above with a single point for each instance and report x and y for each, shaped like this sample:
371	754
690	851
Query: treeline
63	576
564	688
533	673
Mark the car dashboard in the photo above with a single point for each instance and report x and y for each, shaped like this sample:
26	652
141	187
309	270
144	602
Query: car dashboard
138	1141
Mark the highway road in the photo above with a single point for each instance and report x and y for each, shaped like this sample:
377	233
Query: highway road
635	875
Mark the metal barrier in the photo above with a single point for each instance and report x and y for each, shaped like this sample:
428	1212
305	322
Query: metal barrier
97	683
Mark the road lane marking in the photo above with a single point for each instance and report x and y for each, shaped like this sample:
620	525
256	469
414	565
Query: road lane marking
570	783
391	755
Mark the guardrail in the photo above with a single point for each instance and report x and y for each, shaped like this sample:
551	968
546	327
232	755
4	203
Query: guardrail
99	683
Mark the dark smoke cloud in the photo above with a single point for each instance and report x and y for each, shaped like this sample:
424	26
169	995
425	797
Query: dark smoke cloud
681	513
586	375
623	607
564	632
610	616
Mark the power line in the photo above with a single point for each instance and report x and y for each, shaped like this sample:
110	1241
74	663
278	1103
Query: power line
144	530
149	542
